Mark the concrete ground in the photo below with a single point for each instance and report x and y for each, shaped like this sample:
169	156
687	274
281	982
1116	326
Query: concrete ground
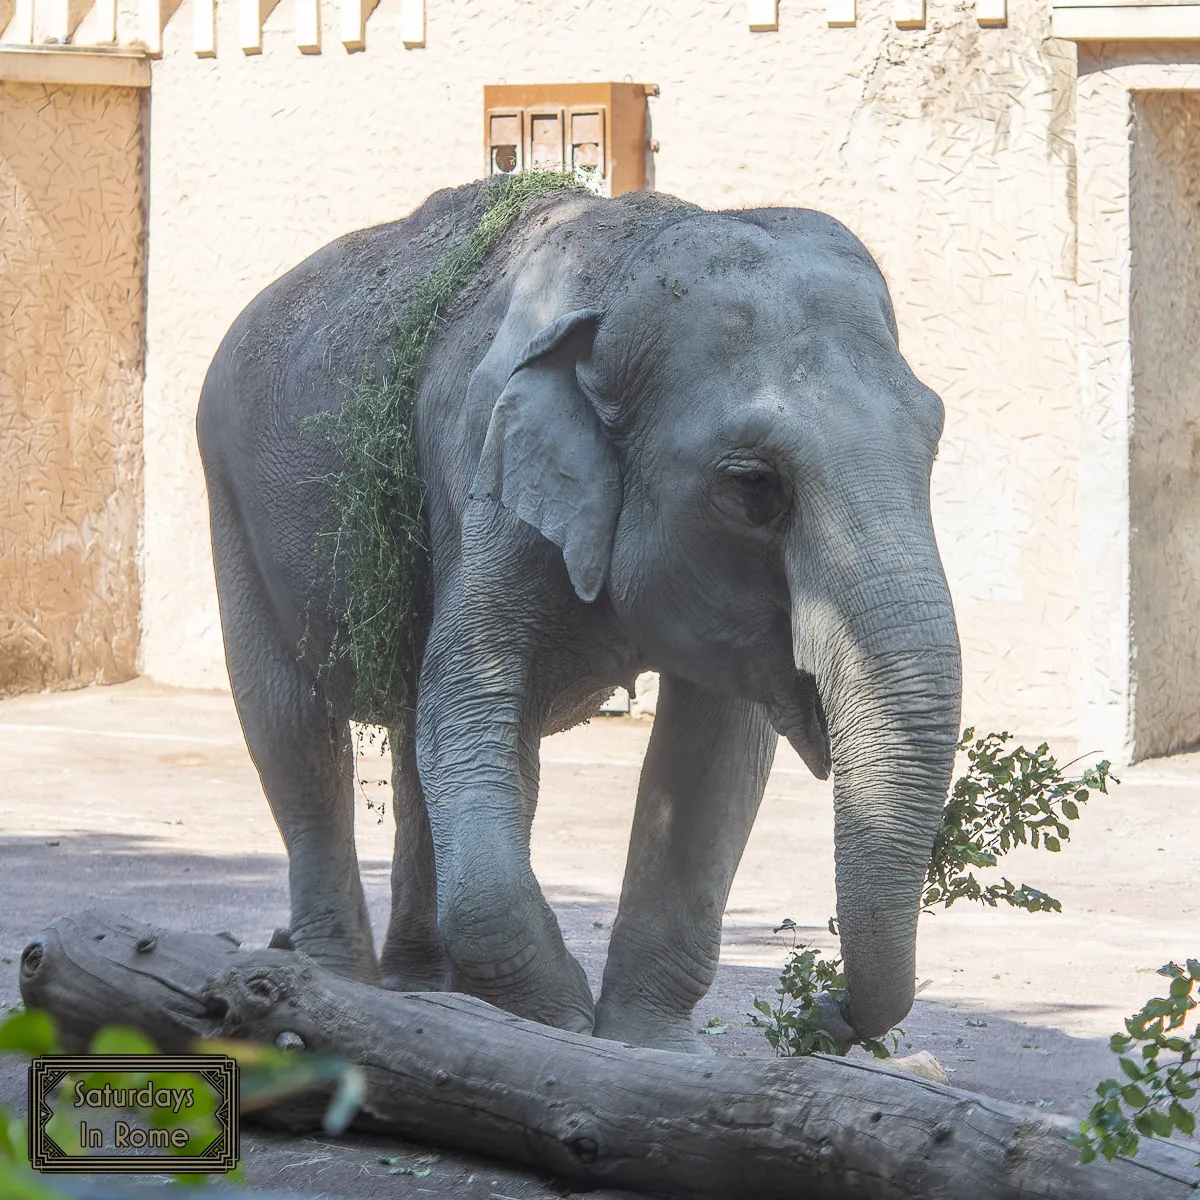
144	799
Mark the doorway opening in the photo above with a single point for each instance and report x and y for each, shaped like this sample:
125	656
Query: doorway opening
1164	457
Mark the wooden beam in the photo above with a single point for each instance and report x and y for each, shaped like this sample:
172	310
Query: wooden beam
19	30
412	23
250	15
762	15
1126	22
841	13
99	25
150	26
307	15
204	28
352	22
909	14
55	21
71	64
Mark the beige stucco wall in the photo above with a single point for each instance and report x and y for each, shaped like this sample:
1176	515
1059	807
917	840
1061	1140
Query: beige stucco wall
71	291
949	150
1164	466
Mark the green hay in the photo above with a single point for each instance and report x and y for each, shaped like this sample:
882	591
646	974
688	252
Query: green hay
376	522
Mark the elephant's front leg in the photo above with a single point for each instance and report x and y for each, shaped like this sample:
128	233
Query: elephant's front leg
477	752
701	785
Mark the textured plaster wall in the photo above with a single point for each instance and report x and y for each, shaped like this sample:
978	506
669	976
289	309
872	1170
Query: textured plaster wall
71	291
1164	466
949	150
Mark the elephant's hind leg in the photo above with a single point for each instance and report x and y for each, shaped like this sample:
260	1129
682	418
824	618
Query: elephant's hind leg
413	959
303	755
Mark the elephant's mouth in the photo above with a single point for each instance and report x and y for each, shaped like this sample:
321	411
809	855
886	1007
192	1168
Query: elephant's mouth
799	716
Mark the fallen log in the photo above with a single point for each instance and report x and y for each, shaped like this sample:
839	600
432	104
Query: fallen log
455	1071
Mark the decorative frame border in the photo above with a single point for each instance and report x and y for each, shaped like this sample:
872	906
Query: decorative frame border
217	1070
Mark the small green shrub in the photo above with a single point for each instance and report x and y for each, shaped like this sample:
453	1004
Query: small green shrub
792	1025
1151	1100
1004	799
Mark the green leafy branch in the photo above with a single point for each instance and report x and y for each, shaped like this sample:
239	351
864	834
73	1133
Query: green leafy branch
376	524
792	1025
1004	799
1149	1101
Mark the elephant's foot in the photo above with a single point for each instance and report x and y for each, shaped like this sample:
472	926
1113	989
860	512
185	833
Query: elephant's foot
565	1003
422	981
414	969
514	958
412	959
349	958
656	1032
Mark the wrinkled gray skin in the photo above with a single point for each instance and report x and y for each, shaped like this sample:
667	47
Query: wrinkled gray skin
653	437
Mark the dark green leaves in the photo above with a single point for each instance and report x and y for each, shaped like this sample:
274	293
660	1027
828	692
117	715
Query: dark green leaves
792	1024
1004	799
1151	1104
29	1031
32	1032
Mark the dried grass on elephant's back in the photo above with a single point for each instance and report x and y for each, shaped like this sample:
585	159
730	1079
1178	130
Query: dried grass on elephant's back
376	523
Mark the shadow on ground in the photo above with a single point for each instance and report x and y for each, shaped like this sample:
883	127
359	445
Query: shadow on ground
45	878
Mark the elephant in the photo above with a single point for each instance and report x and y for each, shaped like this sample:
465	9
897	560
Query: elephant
650	437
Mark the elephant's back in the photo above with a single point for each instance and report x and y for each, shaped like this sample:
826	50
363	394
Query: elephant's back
332	322
304	339
298	349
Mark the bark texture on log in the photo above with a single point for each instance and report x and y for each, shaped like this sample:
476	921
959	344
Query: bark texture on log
453	1070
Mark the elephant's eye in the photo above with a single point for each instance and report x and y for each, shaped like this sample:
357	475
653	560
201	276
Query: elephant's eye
762	494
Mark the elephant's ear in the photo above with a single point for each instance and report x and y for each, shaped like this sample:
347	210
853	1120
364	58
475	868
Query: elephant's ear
547	457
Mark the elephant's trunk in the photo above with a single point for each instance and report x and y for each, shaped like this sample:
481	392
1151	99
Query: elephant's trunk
887	669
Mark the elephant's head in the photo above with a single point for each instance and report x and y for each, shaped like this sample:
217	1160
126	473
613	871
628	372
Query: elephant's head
730	442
